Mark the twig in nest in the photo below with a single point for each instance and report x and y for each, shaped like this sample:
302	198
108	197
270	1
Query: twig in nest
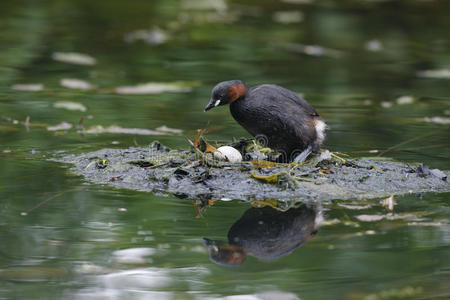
338	157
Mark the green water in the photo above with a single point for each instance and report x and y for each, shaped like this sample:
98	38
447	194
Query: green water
355	61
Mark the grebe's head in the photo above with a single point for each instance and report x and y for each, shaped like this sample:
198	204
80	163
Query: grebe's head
225	254
227	92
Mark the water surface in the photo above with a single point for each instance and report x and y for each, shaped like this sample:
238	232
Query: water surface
377	71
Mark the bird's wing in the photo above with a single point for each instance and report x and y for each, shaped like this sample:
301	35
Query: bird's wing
278	93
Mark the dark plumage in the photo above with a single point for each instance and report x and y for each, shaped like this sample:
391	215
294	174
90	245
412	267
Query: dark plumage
280	117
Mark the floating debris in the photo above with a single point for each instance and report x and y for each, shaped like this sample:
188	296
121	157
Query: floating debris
405	100
436	120
429	224
408	292
313	50
386	104
152	37
354	206
438	74
217	5
120	130
74	58
288	17
166	129
154	88
69	105
297	1
28	87
373	45
8	128
388	203
370	218
133	255
88	268
60	126
72	83
162	130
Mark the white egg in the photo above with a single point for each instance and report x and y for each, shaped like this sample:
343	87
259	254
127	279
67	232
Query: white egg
228	153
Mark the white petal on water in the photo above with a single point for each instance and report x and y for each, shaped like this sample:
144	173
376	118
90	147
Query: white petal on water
241	297
74	58
438	74
437	120
120	130
60	126
370	218
89	268
69	105
133	255
388	203
73	83
138	279
428	224
373	45
217	5
297	1
153	88
313	50
288	17
162	130
355	207
155	36
386	104
405	100
28	87
166	129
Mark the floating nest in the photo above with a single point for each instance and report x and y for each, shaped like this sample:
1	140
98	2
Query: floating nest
196	174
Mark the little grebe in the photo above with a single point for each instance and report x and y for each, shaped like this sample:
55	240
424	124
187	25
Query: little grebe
275	115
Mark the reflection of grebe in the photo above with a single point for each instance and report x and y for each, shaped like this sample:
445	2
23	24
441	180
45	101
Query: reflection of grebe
265	233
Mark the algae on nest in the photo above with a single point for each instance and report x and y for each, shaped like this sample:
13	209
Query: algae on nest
197	175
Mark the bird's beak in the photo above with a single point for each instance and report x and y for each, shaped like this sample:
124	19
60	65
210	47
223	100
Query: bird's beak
207	242
212	104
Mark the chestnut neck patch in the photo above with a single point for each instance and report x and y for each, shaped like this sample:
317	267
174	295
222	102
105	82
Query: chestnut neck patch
236	91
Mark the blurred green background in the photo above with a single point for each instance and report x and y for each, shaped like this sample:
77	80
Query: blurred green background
377	71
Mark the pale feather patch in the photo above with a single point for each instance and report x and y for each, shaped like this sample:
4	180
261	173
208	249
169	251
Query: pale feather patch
217	102
320	130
